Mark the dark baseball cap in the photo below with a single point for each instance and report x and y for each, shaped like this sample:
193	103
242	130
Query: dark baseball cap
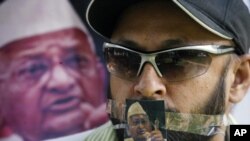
229	19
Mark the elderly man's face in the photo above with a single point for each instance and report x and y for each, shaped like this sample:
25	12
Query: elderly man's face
139	126
50	83
157	29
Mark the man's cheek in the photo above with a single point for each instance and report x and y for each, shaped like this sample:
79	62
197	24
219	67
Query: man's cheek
21	98
24	111
92	92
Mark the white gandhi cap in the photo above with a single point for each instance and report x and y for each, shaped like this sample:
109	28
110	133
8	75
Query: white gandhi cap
135	109
25	18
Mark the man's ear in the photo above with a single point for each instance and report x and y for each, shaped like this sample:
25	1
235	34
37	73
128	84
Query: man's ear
241	80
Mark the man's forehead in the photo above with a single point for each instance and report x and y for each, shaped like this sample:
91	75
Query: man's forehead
153	11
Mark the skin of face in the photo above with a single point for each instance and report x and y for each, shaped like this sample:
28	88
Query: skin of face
51	84
139	125
161	25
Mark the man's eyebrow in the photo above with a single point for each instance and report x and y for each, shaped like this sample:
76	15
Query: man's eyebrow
166	44
31	57
128	44
170	43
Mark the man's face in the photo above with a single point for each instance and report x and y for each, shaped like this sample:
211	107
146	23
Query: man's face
139	126
50	83
162	26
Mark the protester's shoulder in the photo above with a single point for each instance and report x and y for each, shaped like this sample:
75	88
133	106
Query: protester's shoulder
102	133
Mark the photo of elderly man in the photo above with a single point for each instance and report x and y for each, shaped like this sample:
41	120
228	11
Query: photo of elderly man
139	125
51	80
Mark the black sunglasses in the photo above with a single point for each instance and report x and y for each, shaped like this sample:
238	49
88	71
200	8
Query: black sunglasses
175	64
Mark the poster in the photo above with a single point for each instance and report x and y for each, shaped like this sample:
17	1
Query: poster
52	79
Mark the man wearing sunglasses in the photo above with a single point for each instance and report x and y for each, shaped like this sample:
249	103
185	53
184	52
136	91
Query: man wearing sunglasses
192	54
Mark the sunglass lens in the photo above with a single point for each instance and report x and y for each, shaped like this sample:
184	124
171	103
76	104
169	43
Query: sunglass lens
122	63
183	64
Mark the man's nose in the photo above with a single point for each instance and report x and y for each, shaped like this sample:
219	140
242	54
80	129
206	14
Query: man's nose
60	80
141	125
149	85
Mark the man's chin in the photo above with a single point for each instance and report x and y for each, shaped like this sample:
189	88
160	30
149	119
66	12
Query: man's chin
63	124
61	133
57	132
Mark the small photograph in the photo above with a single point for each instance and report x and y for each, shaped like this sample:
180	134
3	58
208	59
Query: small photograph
145	120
